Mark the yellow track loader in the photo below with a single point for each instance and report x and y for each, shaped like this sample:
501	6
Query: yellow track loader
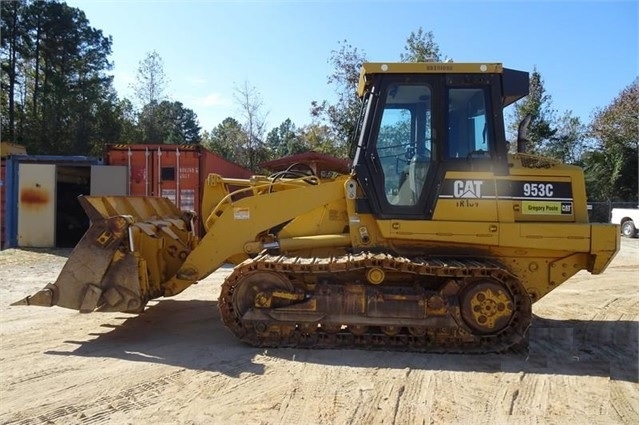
438	239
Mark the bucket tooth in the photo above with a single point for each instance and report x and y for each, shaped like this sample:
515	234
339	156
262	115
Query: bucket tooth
91	298
43	298
113	297
121	286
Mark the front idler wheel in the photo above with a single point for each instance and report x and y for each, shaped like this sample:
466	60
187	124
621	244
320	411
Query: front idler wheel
250	291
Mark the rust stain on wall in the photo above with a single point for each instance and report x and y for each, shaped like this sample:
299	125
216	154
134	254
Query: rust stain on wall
34	197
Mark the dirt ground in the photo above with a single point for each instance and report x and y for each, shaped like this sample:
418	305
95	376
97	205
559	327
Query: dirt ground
177	364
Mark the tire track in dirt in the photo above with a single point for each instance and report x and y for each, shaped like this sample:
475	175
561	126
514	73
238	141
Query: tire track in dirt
258	383
624	402
503	395
134	398
415	398
504	400
23	378
444	408
530	397
317	386
380	406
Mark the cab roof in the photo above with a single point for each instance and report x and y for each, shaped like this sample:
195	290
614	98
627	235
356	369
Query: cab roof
514	83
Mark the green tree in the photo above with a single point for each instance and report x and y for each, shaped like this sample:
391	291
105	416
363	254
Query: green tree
107	122
341	116
127	118
611	168
285	140
568	143
617	122
56	77
12	45
421	47
321	138
177	124
226	140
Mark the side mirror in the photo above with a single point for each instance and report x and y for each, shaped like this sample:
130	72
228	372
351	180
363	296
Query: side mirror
522	134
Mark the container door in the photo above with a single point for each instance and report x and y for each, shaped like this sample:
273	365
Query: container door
36	205
189	181
109	180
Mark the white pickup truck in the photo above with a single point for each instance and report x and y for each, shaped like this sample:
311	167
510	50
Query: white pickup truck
628	219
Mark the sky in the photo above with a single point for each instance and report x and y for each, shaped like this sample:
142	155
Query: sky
586	51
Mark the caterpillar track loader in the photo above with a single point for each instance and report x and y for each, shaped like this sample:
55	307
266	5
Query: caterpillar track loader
438	240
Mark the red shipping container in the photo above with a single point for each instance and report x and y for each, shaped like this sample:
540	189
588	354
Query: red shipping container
177	172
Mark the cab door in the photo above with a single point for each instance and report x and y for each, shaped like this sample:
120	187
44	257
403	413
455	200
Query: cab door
397	162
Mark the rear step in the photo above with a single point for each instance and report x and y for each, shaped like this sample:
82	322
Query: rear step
133	246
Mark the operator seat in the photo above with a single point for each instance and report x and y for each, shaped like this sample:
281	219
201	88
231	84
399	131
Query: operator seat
411	188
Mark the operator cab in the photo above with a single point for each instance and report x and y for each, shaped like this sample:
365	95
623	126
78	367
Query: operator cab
421	120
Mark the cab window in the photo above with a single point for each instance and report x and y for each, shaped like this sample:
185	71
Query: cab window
468	133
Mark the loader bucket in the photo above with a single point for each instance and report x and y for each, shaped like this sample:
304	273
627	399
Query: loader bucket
133	245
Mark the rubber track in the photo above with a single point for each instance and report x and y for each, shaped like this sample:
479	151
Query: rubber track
515	335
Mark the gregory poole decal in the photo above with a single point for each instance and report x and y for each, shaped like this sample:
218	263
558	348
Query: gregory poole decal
546	207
